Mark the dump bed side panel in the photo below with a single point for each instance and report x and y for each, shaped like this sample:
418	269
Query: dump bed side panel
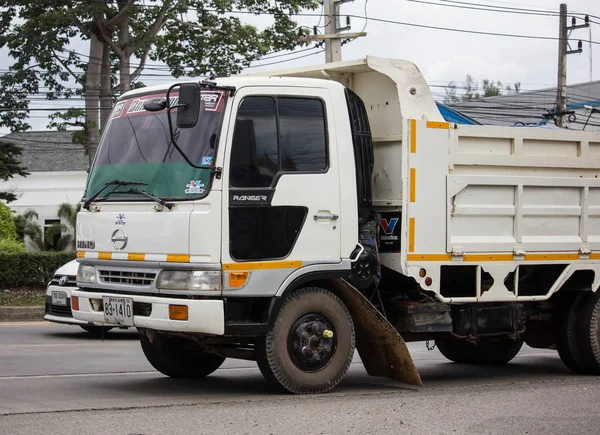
498	213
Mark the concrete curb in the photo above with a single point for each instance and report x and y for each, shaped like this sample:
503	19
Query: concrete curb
21	314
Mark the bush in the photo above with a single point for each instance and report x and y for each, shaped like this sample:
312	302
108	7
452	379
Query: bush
11	246
30	269
7	225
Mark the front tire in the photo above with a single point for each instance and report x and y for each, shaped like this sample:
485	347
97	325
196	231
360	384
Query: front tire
311	345
177	357
487	351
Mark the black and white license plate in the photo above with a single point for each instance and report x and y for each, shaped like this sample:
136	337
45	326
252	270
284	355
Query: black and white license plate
59	298
118	310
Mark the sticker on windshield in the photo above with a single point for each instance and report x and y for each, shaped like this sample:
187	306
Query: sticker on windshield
212	100
206	160
117	110
195	187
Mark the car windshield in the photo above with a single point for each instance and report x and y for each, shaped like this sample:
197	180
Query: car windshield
136	146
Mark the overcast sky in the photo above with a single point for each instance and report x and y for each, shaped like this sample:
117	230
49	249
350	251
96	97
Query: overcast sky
444	56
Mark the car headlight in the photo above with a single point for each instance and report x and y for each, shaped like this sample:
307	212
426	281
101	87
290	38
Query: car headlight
200	280
86	274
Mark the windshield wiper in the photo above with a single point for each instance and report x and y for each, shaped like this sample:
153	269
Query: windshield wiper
148	195
116	182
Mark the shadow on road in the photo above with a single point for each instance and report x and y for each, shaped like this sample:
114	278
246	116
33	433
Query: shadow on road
249	381
79	334
534	368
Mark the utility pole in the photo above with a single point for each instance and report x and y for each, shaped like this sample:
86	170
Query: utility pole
333	30
564	49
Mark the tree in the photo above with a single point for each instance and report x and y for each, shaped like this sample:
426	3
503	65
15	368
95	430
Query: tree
491	89
9	167
68	212
7	224
470	87
193	37
451	96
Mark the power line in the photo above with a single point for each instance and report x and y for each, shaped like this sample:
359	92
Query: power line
285	60
475	7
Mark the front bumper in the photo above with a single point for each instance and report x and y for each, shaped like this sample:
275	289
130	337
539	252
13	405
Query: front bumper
204	316
64	320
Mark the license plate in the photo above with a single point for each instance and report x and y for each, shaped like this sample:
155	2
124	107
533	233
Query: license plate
118	310
59	298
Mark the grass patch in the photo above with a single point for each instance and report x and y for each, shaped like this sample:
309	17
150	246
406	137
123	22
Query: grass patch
22	298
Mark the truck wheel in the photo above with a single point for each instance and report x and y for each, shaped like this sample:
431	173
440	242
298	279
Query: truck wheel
179	358
588	333
490	351
96	330
311	345
566	342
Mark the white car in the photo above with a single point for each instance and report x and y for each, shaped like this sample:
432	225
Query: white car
58	299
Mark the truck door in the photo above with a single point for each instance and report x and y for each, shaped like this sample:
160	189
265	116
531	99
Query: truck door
281	179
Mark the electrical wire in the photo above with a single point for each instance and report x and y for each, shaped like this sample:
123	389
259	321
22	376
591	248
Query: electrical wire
285	60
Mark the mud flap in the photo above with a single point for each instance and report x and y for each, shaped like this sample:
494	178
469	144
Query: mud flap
381	348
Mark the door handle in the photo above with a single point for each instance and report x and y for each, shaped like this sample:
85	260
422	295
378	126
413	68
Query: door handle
329	217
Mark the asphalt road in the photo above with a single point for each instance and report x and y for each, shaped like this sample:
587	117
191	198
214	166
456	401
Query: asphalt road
57	380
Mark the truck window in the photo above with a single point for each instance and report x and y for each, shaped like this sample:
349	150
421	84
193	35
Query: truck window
254	156
302	140
277	135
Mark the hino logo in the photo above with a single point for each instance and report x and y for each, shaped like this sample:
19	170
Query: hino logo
86	244
249	198
119	239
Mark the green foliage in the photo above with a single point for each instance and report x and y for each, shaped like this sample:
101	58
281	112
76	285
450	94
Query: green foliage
56	237
8	230
470	90
9	165
30	269
27	226
11	246
193	37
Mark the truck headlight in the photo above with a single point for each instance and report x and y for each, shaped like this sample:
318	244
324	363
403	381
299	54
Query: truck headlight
189	280
86	274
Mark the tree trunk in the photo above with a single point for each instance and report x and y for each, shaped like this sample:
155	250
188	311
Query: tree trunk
125	58
92	95
106	93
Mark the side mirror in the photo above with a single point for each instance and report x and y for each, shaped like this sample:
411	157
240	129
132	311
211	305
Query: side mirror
189	105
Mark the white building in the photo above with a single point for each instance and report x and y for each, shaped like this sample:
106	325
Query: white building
58	172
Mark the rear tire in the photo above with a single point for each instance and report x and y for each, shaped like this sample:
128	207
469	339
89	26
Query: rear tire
487	351
96	330
311	345
588	333
179	358
566	340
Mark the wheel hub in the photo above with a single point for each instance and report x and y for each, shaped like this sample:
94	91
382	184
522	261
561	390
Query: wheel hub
312	342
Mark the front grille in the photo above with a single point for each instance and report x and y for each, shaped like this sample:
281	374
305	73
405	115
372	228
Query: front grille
59	310
126	277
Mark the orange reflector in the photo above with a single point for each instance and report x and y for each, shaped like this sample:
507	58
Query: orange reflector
75	303
178	312
237	279
422	273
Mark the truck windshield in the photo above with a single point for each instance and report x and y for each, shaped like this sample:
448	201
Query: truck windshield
136	146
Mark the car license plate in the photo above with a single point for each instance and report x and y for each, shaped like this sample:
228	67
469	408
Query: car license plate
118	310
59	298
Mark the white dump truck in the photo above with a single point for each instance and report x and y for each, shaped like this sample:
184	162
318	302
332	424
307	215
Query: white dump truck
293	216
